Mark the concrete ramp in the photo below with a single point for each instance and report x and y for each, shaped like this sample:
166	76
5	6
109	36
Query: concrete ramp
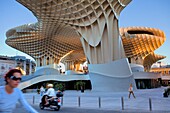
36	79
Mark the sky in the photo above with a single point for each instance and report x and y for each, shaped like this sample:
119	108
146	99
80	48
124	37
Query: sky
143	13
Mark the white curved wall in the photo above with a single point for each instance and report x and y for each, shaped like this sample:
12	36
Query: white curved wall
72	72
114	76
38	79
137	68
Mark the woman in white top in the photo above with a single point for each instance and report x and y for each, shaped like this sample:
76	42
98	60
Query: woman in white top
131	91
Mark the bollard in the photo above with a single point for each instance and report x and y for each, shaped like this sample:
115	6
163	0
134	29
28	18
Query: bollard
99	102
150	104
122	101
62	101
33	99
79	101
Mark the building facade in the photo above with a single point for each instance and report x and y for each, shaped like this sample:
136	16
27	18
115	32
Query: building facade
73	32
25	65
165	74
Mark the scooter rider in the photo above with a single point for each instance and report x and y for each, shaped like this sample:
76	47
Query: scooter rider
50	93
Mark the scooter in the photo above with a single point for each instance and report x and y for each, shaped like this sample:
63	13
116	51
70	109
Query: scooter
53	103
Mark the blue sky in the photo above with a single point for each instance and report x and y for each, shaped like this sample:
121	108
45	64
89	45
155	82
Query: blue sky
146	13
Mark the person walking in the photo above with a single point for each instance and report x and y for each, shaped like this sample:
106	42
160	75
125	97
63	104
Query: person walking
131	91
10	94
42	90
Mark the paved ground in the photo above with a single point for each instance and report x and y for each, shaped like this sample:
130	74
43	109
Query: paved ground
106	102
82	110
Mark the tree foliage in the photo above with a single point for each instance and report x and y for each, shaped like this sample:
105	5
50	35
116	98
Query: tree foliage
79	84
60	86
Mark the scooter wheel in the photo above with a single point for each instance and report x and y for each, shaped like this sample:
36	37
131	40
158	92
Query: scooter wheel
57	108
41	106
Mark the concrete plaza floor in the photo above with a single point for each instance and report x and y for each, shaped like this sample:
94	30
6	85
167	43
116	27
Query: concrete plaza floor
147	100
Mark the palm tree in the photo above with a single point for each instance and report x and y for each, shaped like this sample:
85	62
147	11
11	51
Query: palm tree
60	86
80	85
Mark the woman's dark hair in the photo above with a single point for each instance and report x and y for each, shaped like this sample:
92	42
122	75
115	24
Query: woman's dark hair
10	73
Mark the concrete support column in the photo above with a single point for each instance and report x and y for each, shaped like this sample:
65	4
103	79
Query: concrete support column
25	66
45	61
30	67
66	66
69	65
38	62
49	60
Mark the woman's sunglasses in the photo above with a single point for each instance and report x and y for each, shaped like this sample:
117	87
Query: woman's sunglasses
15	78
